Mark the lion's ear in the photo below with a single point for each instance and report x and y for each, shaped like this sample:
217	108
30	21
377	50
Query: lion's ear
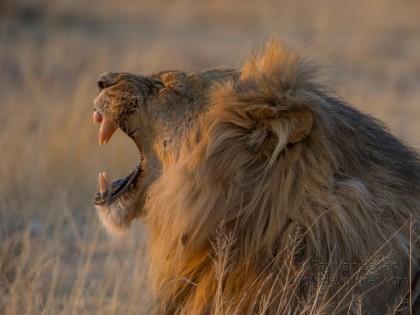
291	124
276	127
301	122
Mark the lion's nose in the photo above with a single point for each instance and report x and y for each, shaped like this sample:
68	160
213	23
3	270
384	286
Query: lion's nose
107	79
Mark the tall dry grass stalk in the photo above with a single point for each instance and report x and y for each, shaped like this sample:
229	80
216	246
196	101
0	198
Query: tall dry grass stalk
325	297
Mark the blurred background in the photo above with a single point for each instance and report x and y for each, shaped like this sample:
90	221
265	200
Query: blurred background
54	256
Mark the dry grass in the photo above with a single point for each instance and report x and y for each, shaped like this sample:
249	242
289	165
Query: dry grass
54	258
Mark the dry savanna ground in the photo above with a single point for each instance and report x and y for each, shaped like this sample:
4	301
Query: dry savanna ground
54	256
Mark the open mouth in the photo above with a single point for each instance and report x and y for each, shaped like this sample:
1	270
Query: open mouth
122	188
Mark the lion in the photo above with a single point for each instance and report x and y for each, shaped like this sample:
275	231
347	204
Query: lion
262	192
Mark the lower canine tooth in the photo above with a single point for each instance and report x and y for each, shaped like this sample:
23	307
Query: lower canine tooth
103	183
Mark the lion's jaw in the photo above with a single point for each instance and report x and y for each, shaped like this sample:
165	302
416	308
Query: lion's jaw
157	112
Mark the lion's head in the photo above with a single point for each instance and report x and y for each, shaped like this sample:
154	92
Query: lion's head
264	159
158	112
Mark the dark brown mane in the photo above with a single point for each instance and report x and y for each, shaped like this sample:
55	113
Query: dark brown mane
284	178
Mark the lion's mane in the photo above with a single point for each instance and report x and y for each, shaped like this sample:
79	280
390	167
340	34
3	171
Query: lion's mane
282	177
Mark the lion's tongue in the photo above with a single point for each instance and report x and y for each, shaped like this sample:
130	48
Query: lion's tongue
97	117
107	127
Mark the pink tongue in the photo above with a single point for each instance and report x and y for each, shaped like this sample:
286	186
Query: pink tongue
97	117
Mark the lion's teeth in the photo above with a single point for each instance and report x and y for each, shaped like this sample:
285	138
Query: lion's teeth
103	182
106	130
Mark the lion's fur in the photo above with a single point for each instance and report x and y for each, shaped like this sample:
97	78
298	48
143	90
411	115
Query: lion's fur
288	175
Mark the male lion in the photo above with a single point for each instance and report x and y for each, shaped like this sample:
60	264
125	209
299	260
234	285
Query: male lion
263	193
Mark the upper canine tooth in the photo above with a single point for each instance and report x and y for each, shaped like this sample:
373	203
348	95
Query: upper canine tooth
106	130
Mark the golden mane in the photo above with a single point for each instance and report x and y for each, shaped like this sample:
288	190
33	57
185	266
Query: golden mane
282	177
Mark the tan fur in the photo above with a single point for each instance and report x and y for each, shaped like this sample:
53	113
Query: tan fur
275	179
